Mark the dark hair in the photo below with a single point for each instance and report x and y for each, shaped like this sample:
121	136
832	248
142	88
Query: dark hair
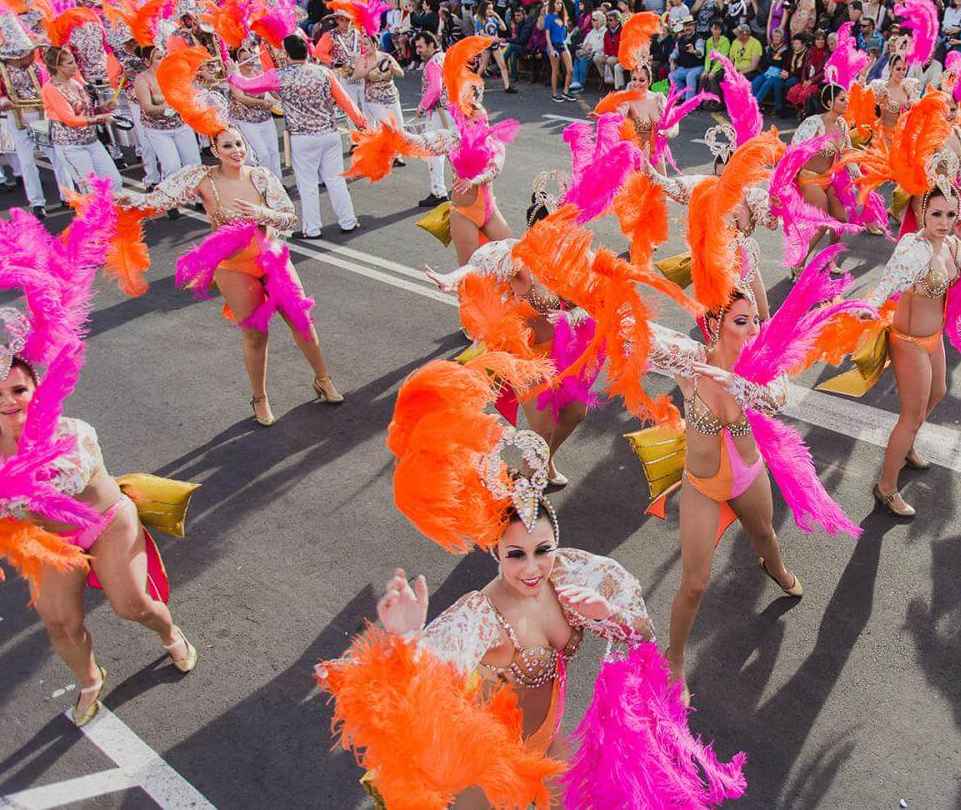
145	52
427	37
828	94
821	33
536	211
295	47
856	5
52	57
25	367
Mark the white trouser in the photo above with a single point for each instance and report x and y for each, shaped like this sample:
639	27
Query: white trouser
435	165
384	112
25	153
151	167
82	160
322	155
175	148
355	90
262	140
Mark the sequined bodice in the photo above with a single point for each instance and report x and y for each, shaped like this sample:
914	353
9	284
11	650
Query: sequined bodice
24	82
935	283
217	217
542	300
700	417
531	667
79	101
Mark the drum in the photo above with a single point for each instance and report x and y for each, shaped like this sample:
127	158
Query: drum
39	133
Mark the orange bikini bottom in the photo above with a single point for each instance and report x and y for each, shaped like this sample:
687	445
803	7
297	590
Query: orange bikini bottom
927	343
541	739
733	476
244	261
479	212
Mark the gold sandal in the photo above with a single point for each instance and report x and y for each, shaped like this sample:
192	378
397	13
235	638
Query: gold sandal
916	462
904	510
266	421
326	392
796	590
92	710
188	662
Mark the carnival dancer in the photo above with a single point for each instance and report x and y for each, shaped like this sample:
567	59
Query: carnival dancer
20	83
513	637
433	107
310	95
252	115
61	513
73	123
895	94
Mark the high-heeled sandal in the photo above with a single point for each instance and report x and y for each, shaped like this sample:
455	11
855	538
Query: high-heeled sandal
189	661
889	502
796	590
916	462
685	696
91	711
326	392
266	421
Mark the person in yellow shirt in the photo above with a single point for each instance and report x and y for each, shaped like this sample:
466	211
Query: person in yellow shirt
746	52
712	75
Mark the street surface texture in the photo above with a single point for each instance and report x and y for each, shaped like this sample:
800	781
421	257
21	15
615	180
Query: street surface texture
849	699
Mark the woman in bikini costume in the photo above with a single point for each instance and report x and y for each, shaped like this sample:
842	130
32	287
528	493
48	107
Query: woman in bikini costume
517	633
895	95
646	112
723	464
233	192
924	270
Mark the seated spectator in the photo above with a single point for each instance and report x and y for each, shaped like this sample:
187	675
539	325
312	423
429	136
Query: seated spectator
674	16
758	14
518	37
951	26
713	71
396	36
687	59
746	52
812	72
591	46
927	76
607	63
774	72
868	37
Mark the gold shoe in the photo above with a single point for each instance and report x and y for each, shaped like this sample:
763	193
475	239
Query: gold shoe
796	590
92	710
894	503
266	421
189	661
916	462
326	391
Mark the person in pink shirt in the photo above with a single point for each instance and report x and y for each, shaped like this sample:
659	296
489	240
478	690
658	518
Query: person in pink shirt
433	107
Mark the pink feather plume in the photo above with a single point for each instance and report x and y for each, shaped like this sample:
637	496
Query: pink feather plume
673	114
873	213
920	17
846	61
742	107
479	143
600	163
635	750
568	345
952	315
284	294
195	269
277	21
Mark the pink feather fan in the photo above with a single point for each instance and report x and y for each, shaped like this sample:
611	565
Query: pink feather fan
195	269
479	143
846	61
782	344
365	15
672	116
742	107
284	294
801	220
635	750
275	21
600	163
920	17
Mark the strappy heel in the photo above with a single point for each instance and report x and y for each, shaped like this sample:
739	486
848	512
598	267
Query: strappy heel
796	590
91	711
266	421
916	462
326	391
890	502
189	660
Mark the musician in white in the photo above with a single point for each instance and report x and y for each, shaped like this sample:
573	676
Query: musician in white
343	44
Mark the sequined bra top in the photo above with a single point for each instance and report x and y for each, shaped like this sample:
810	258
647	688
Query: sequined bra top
543	301
217	216
531	667
700	417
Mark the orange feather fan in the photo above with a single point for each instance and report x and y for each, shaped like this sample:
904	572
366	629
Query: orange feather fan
463	84
501	322
426	731
861	114
141	21
227	18
641	209
377	148
29	548
918	135
60	27
127	257
613	100
636	38
843	336
175	75
710	233
17	7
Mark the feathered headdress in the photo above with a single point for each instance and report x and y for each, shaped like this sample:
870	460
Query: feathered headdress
641	209
365	14
143	20
920	17
59	26
861	114
846	61
710	232
742	107
613	101
463	85
634	49
450	480
175	75
230	19
275	21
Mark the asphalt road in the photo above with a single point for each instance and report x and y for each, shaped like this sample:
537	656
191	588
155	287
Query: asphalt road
849	699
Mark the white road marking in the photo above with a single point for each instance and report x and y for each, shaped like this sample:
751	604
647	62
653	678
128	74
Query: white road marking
564	118
138	766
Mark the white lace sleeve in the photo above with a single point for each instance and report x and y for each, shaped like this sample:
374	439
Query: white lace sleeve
678	188
178	189
673	353
463	633
767	399
911	259
494	167
438	142
282	215
629	621
913	88
810	127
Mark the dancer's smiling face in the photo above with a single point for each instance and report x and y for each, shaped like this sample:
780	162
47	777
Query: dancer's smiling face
527	558
16	391
230	147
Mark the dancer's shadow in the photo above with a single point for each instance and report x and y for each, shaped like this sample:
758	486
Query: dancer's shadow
25	767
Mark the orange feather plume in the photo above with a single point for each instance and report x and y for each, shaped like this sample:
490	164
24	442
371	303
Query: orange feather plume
710	232
426	731
861	114
612	101
60	27
636	36
843	336
227	18
127	256
175	75
28	548
323	49
377	148
463	84
641	209
501	322
17	7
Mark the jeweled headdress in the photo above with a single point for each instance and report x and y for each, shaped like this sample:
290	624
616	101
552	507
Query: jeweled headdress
542	195
14	329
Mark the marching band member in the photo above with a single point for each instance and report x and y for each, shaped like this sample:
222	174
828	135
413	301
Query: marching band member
252	114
